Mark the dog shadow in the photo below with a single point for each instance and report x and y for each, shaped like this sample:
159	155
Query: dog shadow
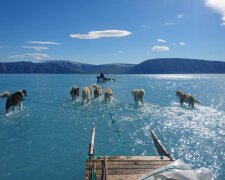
134	106
13	114
184	106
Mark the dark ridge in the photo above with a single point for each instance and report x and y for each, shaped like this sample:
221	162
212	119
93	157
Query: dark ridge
152	66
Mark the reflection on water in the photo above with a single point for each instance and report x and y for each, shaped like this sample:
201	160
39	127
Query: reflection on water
51	140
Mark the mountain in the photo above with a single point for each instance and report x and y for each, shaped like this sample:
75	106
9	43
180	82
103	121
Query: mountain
61	67
178	66
152	66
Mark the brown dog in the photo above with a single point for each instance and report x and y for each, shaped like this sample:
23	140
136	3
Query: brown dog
13	99
108	95
188	98
86	94
97	91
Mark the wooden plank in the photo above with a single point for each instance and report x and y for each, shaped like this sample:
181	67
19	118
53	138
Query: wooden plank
124	166
129	171
119	177
118	166
124	171
137	158
132	162
125	177
139	162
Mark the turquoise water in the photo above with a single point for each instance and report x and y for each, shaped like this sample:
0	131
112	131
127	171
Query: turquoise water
49	139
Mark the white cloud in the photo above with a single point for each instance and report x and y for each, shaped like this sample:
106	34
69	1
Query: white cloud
33	56
161	40
120	51
180	16
160	48
182	43
43	42
37	48
218	6
174	44
222	24
100	34
168	23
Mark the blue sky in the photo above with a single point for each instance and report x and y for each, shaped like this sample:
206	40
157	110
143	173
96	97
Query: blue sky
111	31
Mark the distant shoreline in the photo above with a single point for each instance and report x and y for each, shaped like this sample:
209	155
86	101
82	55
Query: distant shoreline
152	66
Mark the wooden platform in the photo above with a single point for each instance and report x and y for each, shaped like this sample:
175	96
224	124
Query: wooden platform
122	167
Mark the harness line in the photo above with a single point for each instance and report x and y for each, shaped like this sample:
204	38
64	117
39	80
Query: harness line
113	122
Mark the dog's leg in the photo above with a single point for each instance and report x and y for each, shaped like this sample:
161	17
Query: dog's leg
20	106
8	105
83	99
135	99
142	100
6	109
71	94
181	102
192	104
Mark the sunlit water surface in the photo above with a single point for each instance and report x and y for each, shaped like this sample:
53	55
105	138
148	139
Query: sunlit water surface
49	138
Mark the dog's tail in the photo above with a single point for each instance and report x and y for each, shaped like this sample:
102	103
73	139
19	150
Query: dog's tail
5	94
197	101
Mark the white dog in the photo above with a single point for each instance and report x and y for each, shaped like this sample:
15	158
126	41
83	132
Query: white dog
138	95
108	95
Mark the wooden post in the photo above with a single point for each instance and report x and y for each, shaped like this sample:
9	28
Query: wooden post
159	147
92	144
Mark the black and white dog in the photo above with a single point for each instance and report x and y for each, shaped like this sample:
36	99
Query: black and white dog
74	93
13	99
